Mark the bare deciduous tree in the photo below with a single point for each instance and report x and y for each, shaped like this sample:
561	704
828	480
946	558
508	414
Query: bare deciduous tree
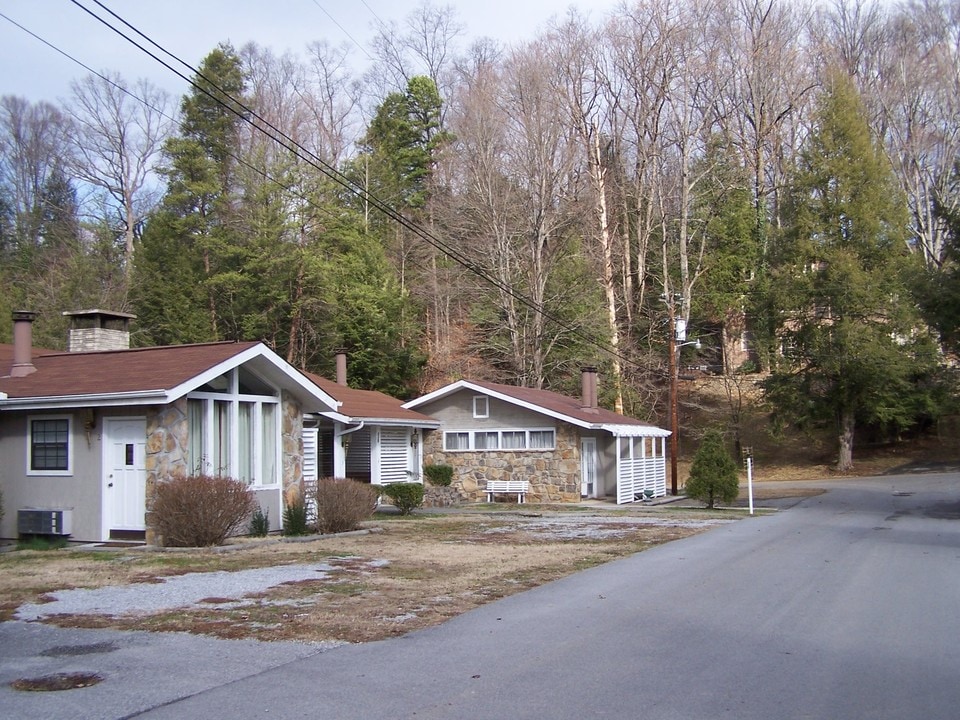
116	136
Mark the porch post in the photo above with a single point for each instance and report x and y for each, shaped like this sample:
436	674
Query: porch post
339	456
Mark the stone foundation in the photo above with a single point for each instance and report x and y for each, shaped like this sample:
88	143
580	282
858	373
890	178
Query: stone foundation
434	496
554	475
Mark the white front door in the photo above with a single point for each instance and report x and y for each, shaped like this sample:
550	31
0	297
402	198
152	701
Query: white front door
588	467
125	474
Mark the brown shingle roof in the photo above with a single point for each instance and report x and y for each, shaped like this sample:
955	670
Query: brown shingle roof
368	404
553	404
136	370
6	356
563	404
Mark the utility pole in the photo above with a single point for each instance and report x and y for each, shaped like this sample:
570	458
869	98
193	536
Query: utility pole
674	420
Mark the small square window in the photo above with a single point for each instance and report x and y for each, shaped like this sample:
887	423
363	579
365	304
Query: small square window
49	446
481	406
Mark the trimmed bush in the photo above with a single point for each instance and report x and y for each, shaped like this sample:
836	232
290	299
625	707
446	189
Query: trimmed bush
342	504
295	517
713	474
200	510
259	523
439	475
406	497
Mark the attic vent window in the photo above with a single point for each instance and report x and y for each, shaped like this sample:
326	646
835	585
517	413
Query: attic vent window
481	407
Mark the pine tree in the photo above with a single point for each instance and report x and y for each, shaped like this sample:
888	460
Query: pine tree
853	347
195	229
713	474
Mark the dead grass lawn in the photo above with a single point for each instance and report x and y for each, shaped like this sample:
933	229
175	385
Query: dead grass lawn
415	573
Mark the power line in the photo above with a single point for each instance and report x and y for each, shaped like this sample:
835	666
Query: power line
248	115
344	30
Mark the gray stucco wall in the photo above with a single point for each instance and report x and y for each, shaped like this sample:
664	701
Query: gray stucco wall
80	491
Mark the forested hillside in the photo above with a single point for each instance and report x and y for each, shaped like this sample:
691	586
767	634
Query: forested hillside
780	178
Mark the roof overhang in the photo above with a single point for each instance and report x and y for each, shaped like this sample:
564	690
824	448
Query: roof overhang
148	397
260	359
383	422
634	430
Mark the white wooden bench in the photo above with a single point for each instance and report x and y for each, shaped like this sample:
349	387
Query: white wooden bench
520	487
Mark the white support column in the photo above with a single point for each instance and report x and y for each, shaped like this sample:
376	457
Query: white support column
339	456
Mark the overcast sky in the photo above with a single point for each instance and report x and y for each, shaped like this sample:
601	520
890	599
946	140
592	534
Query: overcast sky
191	28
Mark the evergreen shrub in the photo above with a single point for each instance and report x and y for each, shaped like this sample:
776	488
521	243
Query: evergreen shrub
713	474
200	510
406	497
259	523
439	475
342	504
295	520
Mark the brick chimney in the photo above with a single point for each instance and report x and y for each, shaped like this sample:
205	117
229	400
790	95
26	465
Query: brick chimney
342	368
588	386
96	330
23	343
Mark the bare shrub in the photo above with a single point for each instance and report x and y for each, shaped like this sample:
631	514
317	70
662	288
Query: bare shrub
342	504
200	510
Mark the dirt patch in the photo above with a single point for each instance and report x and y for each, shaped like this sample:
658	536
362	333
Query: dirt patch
54	683
418	572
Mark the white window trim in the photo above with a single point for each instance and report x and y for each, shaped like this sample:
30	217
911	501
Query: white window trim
70	442
526	431
481	401
234	397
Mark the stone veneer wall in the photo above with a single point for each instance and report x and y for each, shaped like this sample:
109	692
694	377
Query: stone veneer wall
438	496
554	475
291	438
167	447
166	453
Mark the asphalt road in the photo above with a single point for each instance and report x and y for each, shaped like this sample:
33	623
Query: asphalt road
846	605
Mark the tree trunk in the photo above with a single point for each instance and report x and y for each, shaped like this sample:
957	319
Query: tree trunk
609	285
847	424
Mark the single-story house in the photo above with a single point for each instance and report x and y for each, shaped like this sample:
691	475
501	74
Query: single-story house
88	434
371	437
566	448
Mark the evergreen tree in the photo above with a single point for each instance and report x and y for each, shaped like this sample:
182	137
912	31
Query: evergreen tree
726	210
196	226
853	347
713	474
400	143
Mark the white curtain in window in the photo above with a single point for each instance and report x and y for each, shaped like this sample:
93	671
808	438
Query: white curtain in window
514	439
221	438
456	441
486	440
195	459
541	439
245	442
268	455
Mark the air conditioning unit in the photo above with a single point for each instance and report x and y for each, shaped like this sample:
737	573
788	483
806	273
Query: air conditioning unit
32	521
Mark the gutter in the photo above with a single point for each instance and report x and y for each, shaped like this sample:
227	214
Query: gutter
150	397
